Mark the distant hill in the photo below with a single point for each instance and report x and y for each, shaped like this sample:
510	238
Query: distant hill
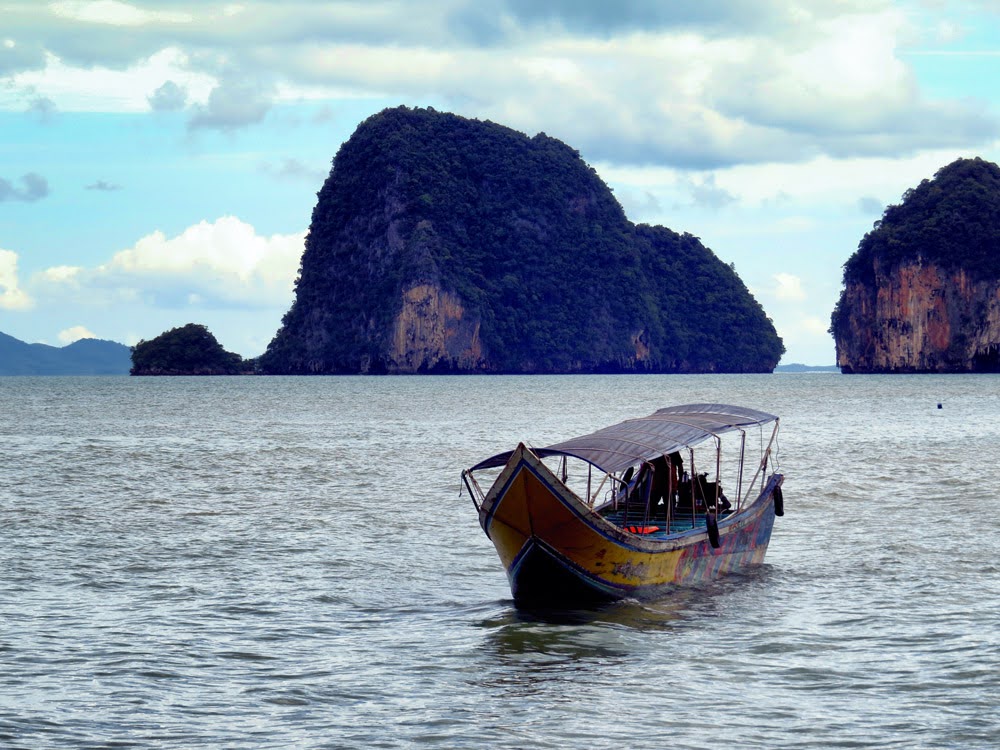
83	357
444	244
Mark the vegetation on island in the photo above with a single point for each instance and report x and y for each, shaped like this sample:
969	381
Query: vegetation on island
531	241
952	221
188	350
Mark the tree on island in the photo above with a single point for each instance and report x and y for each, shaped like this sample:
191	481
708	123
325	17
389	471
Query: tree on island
188	350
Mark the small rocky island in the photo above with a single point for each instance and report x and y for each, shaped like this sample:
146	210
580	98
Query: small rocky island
449	245
922	292
188	350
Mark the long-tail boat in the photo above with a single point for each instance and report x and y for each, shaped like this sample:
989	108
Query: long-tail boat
629	510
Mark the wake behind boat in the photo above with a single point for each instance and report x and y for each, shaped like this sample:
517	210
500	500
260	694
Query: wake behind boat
629	510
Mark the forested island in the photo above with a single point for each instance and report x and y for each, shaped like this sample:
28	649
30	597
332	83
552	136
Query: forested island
922	292
445	244
187	350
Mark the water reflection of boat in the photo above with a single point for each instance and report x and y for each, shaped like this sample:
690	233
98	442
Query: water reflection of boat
617	513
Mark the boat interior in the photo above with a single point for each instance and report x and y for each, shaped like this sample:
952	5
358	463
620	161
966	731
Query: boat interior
671	504
659	497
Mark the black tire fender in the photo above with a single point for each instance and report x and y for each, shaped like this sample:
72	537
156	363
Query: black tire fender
779	502
712	524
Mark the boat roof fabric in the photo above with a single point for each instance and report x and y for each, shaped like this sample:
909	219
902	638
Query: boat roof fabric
614	448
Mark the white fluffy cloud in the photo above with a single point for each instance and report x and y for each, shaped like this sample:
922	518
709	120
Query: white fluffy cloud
104	88
640	83
113	13
12	297
213	265
788	287
69	335
821	181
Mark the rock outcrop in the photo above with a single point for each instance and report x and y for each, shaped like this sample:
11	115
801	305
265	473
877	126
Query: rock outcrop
443	244
432	327
922	293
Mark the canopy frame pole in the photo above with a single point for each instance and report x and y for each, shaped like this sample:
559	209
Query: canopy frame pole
593	498
649	493
470	483
671	493
739	480
691	481
762	467
718	472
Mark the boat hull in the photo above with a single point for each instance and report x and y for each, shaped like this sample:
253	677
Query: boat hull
558	552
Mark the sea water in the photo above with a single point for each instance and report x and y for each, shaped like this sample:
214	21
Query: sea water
290	563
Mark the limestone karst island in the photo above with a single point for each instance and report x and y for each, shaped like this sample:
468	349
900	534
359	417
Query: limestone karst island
444	244
922	292
441	244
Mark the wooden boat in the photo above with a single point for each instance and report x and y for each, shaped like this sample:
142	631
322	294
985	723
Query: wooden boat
617	513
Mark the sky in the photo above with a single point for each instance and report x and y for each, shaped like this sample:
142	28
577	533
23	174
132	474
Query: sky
160	160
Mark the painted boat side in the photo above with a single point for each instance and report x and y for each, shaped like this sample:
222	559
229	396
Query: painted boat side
555	549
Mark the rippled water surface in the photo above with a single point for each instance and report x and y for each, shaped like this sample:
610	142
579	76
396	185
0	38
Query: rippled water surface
278	563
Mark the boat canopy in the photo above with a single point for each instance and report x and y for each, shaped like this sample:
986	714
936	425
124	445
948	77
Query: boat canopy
615	448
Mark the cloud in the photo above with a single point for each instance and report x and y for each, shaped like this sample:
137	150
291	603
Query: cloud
640	205
598	17
62	274
15	56
113	13
788	287
815	326
223	264
820	181
870	205
168	97
12	297
103	186
109	81
69	335
692	85
33	187
232	105
704	192
42	109
293	169
847	89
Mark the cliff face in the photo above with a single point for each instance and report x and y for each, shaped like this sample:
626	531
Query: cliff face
922	293
433	331
921	318
442	244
